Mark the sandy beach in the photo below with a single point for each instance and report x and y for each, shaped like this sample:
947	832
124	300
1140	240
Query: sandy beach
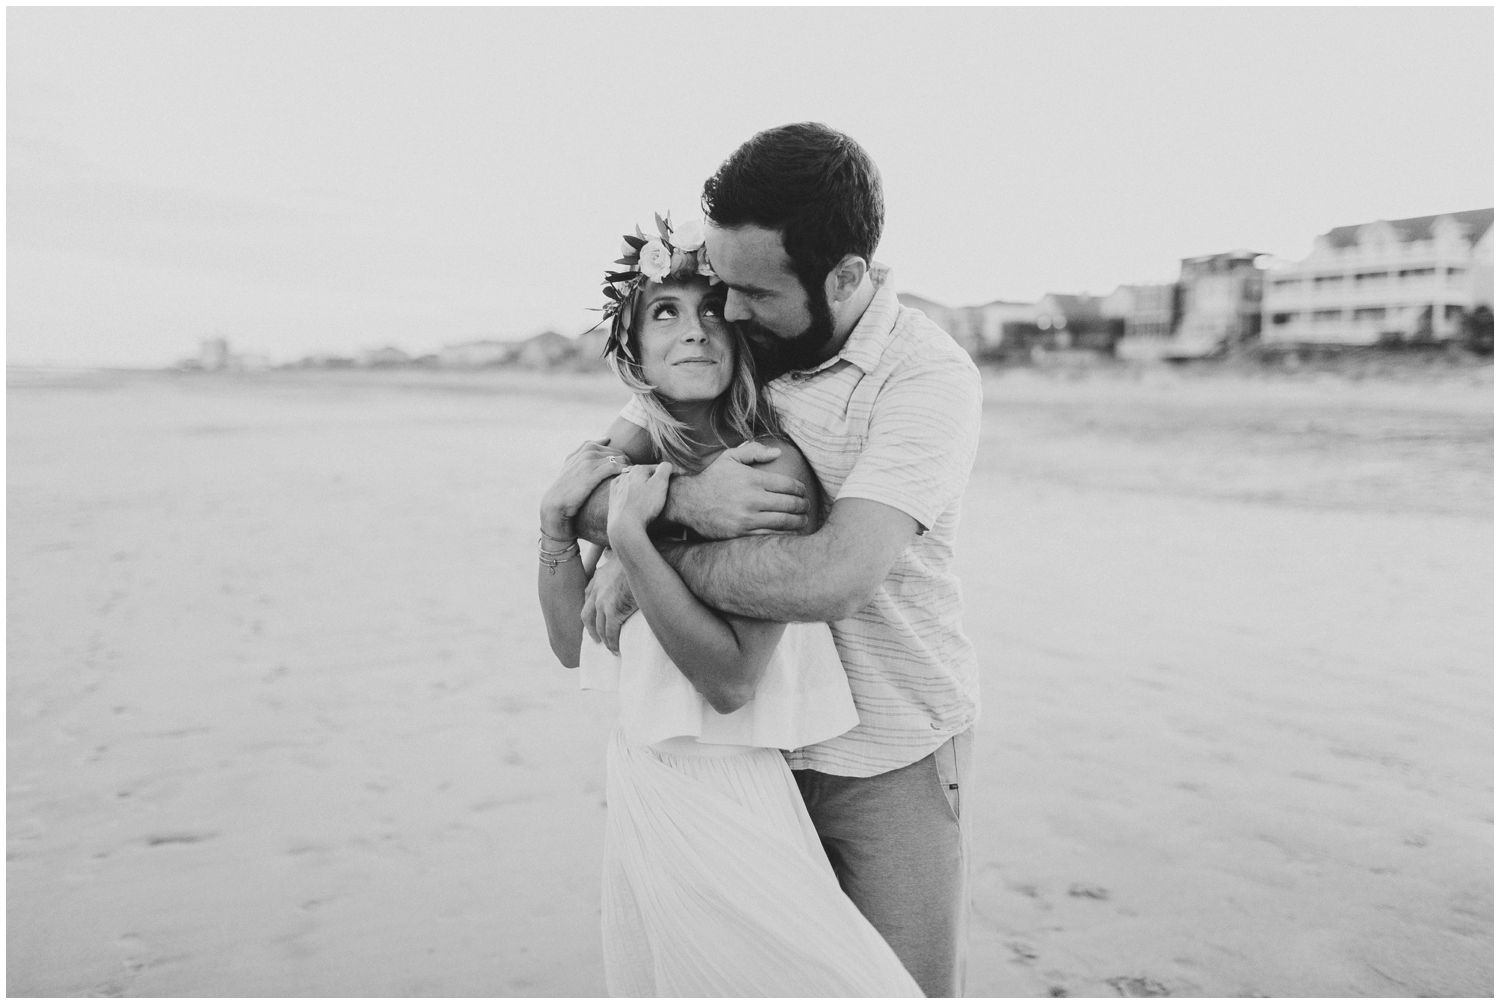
283	721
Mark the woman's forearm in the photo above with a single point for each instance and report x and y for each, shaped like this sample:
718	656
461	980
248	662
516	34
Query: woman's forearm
723	659
560	590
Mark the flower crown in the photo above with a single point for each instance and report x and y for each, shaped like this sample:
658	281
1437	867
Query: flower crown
678	252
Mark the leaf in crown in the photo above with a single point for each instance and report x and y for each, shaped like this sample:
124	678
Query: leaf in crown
663	228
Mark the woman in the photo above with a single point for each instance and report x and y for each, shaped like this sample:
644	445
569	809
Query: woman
715	883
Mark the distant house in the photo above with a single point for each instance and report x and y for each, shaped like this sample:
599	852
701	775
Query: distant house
213	353
387	356
1074	321
545	351
474	354
986	330
1409	280
325	360
995	329
1145	315
1220	297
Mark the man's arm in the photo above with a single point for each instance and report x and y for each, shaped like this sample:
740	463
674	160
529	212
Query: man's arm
732	497
825	576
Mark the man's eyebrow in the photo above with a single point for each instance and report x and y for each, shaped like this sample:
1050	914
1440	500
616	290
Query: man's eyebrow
740	288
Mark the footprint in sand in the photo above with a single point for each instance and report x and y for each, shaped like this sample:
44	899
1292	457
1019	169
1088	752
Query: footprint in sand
1138	986
162	839
1080	891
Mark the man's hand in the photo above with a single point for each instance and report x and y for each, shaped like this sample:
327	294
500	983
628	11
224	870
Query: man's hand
607	604
732	497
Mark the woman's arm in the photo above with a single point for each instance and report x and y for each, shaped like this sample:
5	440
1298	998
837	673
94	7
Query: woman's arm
562	572
723	656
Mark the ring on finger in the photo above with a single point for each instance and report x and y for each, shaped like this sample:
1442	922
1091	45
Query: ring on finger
618	461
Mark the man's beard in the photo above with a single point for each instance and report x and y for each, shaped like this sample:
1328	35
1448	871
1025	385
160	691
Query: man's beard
775	355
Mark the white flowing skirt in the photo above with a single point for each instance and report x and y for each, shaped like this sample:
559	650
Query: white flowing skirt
715	885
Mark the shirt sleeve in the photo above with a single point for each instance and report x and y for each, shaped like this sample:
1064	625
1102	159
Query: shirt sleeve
923	436
634	412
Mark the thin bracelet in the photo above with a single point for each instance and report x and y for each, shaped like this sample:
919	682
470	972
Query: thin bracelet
552	563
552	558
558	540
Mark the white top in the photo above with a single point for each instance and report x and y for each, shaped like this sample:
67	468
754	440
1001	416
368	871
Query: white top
803	698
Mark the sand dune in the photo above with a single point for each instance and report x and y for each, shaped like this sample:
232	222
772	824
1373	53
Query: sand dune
282	719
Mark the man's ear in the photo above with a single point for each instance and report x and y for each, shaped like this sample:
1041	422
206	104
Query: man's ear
845	277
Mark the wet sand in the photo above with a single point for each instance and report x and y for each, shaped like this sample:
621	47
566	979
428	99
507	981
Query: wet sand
282	719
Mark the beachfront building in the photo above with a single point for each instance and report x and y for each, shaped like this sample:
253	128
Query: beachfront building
1220	298
1388	281
1145	315
984	331
385	356
997	328
1075	321
994	330
213	353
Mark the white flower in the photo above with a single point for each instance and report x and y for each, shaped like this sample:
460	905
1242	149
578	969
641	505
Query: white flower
656	260
688	236
705	268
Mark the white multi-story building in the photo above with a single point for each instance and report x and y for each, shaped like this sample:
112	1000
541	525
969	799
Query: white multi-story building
1386	281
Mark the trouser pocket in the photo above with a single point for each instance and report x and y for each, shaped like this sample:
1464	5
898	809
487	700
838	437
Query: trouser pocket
952	762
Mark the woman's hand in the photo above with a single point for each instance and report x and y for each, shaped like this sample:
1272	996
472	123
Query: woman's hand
635	499
582	472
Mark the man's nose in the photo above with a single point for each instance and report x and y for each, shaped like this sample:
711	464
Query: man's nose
734	307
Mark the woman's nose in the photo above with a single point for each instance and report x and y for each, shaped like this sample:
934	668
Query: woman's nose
693	330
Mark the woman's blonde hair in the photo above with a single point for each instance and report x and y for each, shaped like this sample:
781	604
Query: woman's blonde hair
743	411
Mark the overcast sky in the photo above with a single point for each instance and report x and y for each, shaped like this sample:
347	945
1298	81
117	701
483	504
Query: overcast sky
329	180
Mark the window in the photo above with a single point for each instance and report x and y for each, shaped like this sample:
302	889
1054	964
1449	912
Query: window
1328	316
1452	312
1283	318
1416	273
1327	281
1369	314
1454	273
1286	283
1369	278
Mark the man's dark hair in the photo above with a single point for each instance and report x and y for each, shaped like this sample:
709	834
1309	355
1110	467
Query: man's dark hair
812	183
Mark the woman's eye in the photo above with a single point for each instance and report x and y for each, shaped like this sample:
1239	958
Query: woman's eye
714	310
663	310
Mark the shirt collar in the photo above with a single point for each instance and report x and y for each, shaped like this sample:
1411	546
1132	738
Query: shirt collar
876	327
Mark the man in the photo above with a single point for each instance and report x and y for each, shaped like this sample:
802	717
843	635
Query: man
886	408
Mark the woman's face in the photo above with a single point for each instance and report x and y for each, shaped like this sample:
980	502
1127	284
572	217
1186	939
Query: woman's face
686	346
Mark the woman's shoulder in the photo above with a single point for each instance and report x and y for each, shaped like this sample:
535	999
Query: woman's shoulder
791	461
